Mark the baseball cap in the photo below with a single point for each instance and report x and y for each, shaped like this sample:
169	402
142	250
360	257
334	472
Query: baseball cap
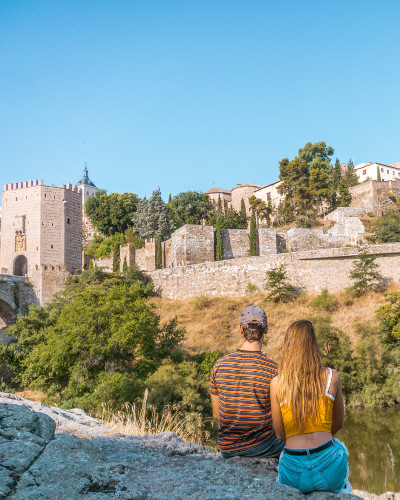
253	317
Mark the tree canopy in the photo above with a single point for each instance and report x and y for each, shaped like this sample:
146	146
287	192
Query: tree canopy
190	207
151	219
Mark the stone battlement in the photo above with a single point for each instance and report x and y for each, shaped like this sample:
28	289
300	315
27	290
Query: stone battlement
27	184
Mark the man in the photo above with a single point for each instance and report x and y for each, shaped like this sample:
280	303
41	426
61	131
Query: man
239	388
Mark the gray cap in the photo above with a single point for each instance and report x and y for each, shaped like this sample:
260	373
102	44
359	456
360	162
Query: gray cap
254	315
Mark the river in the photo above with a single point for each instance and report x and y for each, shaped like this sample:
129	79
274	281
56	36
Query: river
372	437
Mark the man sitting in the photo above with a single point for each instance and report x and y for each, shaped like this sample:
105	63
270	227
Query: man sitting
239	388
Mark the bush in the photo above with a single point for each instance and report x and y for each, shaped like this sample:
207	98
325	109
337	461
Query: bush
251	287
365	273
280	289
387	228
324	302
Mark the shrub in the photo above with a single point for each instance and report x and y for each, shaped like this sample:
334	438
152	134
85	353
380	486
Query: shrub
387	228
251	287
324	302
365	273
280	289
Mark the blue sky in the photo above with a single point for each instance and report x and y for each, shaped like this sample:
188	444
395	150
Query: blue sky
190	94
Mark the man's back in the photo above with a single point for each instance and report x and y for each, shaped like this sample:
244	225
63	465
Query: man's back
241	380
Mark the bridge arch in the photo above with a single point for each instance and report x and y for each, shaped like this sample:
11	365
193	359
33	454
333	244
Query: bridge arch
8	314
20	266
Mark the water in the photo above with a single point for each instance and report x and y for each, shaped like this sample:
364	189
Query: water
372	437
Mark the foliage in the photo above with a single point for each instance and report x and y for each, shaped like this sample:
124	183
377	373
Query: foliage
125	266
190	207
133	238
306	220
151	219
350	176
116	258
378	174
95	343
252	235
159	254
231	219
243	214
280	290
251	287
365	273
111	213
103	247
389	317
387	228
219	250
324	301
206	362
179	383
261	209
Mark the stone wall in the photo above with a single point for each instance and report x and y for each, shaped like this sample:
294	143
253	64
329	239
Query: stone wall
266	241
106	263
299	239
312	271
375	195
235	243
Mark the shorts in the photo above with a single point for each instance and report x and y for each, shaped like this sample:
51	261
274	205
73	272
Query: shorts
271	448
324	468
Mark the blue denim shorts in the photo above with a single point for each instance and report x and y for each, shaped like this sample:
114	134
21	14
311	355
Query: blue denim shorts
324	468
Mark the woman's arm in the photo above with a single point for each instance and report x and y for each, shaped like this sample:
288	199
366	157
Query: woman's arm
276	410
338	405
215	406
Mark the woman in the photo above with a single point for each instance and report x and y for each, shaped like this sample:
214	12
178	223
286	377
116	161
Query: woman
307	411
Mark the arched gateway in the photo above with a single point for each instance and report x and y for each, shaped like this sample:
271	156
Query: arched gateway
20	266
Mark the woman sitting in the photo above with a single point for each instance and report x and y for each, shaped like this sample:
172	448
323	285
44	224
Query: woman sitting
307	411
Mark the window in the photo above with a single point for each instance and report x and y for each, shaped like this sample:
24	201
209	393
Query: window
364	172
269	196
387	170
381	169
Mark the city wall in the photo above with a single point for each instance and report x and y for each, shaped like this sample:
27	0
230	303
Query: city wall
312	271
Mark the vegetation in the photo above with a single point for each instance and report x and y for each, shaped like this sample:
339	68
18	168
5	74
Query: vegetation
190	207
116	258
365	273
159	254
219	250
103	246
280	290
324	302
252	235
387	227
151	219
111	213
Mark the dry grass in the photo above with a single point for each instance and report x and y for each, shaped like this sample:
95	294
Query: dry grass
139	419
31	395
212	322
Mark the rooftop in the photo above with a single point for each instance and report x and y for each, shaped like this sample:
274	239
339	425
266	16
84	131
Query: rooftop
85	179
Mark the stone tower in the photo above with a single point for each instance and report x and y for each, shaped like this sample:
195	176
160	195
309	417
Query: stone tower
88	189
41	234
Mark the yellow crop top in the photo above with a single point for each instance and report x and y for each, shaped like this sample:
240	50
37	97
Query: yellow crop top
325	413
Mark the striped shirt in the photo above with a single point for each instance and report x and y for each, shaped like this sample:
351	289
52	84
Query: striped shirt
241	379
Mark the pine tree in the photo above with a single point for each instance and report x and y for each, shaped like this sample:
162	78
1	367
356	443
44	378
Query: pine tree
116	258
151	219
125	266
280	289
219	249
159	254
365	273
243	214
378	174
351	178
252	235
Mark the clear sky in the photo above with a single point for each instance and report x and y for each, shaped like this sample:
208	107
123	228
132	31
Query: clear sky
193	93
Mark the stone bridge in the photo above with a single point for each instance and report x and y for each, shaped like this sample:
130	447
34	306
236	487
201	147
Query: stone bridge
16	294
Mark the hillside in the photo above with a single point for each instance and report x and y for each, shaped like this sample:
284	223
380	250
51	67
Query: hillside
212	322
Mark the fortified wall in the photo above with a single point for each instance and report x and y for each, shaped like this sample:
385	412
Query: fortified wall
41	234
311	271
375	196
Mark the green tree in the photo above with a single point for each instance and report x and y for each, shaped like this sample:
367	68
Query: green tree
159	254
90	265
378	174
151	219
219	249
125	266
389	317
252	235
99	338
190	207
111	213
365	273
387	228
261	209
280	290
344	198
243	214
350	176
219	206
116	258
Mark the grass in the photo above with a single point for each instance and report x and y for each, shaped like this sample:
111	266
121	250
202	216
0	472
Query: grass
212	322
139	419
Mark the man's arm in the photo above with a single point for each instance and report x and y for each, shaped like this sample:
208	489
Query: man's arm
276	411
215	406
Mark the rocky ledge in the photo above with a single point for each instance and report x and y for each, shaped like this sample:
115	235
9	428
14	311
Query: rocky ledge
48	453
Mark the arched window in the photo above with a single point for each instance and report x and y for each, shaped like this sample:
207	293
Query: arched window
20	266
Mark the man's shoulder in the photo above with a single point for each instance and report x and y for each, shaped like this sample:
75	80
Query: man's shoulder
239	356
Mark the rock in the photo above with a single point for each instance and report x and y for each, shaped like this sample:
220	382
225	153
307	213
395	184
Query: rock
36	463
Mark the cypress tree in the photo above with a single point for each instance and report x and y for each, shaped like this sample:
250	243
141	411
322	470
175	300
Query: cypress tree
243	214
90	265
219	206
116	258
219	249
159	254
252	235
125	266
169	199
378	174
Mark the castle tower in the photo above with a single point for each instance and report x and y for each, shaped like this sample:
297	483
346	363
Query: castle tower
41	234
88	189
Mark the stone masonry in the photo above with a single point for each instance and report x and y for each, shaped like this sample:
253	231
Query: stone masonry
41	234
311	271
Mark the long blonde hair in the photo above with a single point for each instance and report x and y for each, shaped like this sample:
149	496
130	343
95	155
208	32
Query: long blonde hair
300	382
